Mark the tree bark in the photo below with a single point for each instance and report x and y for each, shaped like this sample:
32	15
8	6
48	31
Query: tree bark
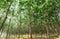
19	28
30	22
8	30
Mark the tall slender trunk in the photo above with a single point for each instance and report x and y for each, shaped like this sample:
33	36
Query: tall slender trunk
55	24
19	28
18	35
8	30
30	22
47	32
47	25
5	17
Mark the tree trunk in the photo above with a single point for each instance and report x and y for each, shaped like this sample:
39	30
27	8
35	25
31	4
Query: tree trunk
30	22
47	24
8	30
19	35
5	17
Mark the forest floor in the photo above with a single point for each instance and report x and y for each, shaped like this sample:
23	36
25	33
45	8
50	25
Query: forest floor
26	37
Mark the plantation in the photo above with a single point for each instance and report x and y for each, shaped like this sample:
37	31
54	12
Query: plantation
29	19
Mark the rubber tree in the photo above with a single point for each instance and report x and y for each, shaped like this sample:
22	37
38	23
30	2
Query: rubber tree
8	29
30	22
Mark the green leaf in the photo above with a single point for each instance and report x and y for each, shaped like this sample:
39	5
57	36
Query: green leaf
23	0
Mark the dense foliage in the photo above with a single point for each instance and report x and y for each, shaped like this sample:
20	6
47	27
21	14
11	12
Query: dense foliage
44	16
